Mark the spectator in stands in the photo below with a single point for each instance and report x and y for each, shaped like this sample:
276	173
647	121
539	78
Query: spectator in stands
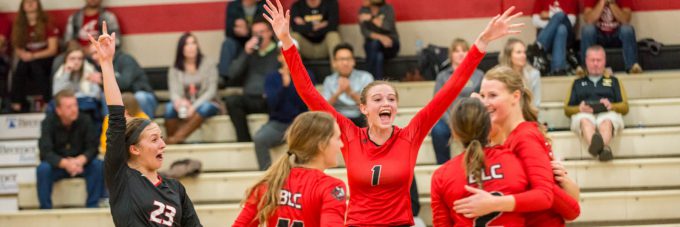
132	109
240	17
342	89
5	55
608	24
257	60
315	26
35	42
556	20
595	105
514	56
77	75
441	132
131	78
68	148
284	105
88	20
193	90
378	25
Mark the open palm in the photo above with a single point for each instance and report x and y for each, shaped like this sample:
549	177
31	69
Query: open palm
105	44
501	26
277	19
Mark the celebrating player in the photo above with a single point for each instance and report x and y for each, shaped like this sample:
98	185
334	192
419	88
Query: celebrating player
380	158
139	196
300	194
494	169
515	120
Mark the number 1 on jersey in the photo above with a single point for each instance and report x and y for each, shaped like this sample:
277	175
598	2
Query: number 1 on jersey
375	178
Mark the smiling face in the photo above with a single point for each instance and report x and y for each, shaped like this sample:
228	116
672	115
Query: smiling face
148	152
498	100
379	105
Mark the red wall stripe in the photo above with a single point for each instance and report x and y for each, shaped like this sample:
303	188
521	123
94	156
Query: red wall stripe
210	16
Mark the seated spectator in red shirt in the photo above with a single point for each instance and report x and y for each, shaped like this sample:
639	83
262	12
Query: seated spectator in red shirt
315	26
88	20
35	42
556	19
608	24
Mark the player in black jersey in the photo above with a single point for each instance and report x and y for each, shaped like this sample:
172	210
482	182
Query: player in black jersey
139	196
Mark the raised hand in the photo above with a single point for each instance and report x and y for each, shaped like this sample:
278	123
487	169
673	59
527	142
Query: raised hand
105	44
279	21
499	27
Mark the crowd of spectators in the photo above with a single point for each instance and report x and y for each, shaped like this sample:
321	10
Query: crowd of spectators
250	58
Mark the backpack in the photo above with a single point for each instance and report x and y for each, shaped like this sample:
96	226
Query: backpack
432	60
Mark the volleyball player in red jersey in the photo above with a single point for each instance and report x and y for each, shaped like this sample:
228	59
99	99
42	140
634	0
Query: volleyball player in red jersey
515	120
300	194
492	168
380	158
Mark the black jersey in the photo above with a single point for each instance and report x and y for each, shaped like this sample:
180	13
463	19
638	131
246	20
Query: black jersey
135	201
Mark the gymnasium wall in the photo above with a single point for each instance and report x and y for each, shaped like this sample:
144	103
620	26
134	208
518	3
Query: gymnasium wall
151	27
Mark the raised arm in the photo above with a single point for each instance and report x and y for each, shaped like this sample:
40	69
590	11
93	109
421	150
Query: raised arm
298	73
498	27
116	155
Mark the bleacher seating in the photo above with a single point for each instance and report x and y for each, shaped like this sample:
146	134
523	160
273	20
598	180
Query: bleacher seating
640	187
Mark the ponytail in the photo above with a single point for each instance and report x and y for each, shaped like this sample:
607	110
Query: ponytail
309	132
530	112
273	181
474	162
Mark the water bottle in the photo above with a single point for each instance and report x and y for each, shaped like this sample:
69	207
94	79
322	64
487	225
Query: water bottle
183	112
420	45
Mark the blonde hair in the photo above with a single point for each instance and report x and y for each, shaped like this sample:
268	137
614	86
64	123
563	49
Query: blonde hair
131	104
308	133
513	81
471	124
458	42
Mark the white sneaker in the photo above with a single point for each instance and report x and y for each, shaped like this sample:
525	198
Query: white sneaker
418	222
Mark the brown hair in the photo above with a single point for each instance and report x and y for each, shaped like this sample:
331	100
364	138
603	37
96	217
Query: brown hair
458	42
72	49
131	126
306	135
131	104
513	81
66	93
20	36
471	124
364	92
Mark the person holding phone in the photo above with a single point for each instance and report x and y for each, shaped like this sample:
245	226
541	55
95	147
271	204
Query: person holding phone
596	103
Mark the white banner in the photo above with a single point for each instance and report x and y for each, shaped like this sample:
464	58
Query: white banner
20	126
19	153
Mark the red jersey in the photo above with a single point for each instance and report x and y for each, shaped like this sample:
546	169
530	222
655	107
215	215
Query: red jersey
566	6
90	26
607	22
529	144
34	44
503	175
379	177
5	30
308	197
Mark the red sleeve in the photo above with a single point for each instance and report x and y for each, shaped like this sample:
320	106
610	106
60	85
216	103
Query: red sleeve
334	204
536	163
314	101
441	213
570	7
422	122
589	3
565	205
248	215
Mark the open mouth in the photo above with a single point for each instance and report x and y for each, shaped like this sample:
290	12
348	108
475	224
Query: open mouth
385	115
159	157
